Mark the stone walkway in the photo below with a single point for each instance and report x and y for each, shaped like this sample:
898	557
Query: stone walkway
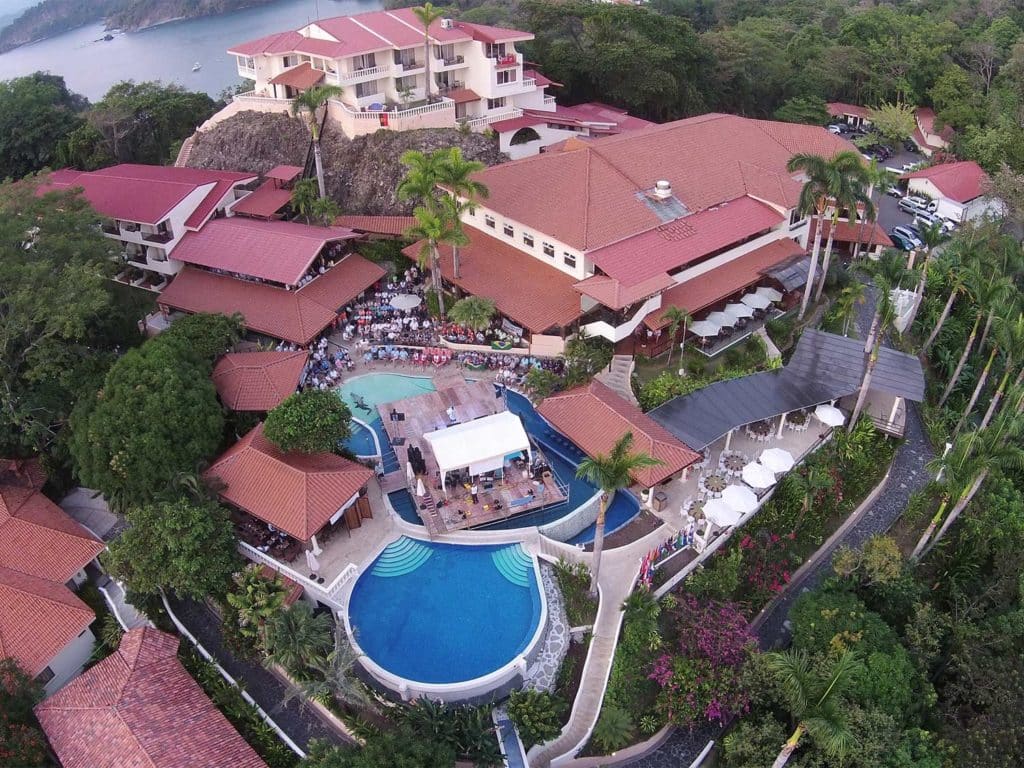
543	674
617	377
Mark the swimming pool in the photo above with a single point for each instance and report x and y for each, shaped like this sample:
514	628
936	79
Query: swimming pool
563	455
431	614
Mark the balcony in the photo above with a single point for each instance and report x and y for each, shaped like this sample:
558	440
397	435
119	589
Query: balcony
450	62
110	228
506	60
359	75
409	66
157	237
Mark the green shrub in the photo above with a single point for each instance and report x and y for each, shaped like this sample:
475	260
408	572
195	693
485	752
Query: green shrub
537	715
719	579
614	729
574	582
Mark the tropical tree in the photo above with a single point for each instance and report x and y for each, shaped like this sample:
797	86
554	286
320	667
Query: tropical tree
814	700
1009	337
874	176
324	211
427	15
1012	341
455	175
676	317
332	676
421	178
304	195
297	638
884	315
256	600
850	195
851	297
473	312
312	421
610	472
951	268
310	101
894	121
436	226
816	479
21	742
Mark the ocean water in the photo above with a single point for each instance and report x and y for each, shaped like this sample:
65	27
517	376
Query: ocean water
166	52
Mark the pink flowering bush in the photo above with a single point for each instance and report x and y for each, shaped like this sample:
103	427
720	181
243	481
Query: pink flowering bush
702	681
769	561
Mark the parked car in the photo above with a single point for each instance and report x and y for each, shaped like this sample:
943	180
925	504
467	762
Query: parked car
928	219
836	128
932	207
907	234
901	242
910	146
913	204
893	191
909	166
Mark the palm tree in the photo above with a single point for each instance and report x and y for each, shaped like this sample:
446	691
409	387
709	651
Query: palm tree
324	211
814	202
952	270
1011	338
333	677
310	101
874	176
436	227
427	15
852	296
1009	333
884	315
610	473
973	460
814	702
676	317
473	312
420	181
297	637
257	599
304	196
455	175
816	479
849	195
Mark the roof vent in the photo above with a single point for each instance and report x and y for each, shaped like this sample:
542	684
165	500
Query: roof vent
662	189
447	24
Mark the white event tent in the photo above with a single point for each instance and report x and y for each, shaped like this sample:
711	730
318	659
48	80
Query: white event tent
480	445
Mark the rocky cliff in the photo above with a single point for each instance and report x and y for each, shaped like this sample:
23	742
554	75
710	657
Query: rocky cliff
361	173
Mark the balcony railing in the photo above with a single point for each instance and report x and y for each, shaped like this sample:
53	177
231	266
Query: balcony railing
479	123
374	114
410	65
451	61
506	60
362	74
157	237
110	228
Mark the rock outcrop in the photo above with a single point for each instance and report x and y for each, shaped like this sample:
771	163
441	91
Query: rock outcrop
362	174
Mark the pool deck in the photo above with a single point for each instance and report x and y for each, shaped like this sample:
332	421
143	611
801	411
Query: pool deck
427	413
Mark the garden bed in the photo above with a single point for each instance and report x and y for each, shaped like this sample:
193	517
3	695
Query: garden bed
636	529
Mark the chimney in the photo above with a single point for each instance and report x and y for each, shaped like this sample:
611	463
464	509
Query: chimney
662	189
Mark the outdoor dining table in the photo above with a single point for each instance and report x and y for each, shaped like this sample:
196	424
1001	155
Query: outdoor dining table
760	429
714	483
733	463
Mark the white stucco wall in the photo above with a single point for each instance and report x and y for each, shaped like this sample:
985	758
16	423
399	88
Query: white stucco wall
68	664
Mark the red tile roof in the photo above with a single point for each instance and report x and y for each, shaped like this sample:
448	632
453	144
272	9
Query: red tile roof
542	79
301	76
841	109
485	33
295	316
720	283
262	203
517	123
37	537
377	225
595	418
279	42
257	381
463	95
594	195
148	193
39	617
961	181
670	246
278	251
295	492
140	708
918	138
24	472
284	172
530	292
612	293
926	119
847	232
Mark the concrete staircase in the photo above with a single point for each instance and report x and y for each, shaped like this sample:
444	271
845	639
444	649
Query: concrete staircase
184	153
617	377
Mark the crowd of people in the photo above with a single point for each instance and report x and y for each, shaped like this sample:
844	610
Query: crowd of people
374	319
324	368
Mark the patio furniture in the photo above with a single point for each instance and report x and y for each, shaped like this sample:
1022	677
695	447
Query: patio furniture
719	513
777	460
757	475
740	498
713	484
829	415
405	301
769	293
733	462
761	431
798	421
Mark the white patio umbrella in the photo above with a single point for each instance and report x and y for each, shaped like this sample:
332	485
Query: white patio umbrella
722	319
769	293
756	300
704	329
405	301
739	310
829	415
409	471
758	475
720	513
311	562
777	459
420	490
740	498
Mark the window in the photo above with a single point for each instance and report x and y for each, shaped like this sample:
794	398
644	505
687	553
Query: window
445	52
509	232
366	61
45	676
496	103
549	250
568	259
290	61
527	239
506	76
489	221
495	50
247	62
367	89
796	218
405	83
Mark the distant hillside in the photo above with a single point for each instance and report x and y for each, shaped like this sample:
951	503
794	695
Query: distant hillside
362	173
51	17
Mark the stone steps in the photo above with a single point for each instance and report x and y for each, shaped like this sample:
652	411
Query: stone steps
617	377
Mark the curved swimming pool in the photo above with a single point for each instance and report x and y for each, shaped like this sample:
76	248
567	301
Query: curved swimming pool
563	455
431	614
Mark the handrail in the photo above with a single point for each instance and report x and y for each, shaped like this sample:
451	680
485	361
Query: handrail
437	106
348	573
483	122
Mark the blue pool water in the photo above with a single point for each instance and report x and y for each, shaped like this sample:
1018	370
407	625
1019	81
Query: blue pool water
563	455
445	613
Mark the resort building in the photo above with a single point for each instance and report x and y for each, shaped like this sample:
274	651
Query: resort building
603	236
476	73
43	555
150	209
959	190
140	707
927	137
258	381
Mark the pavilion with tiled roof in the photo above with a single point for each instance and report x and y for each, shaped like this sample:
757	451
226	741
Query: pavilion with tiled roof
139	707
595	419
257	381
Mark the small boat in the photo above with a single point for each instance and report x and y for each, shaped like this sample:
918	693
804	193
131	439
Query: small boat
196	67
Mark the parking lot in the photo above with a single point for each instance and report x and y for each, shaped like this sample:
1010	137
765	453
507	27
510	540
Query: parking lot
889	213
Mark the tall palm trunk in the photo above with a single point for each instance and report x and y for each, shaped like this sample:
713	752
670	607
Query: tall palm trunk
932	525
436	278
988	327
977	391
827	257
860	238
961	505
595	572
789	747
963	361
426	64
814	263
1000	391
318	159
942	321
456	262
871	351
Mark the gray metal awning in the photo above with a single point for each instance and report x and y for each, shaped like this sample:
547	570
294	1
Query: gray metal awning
792	274
824	367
